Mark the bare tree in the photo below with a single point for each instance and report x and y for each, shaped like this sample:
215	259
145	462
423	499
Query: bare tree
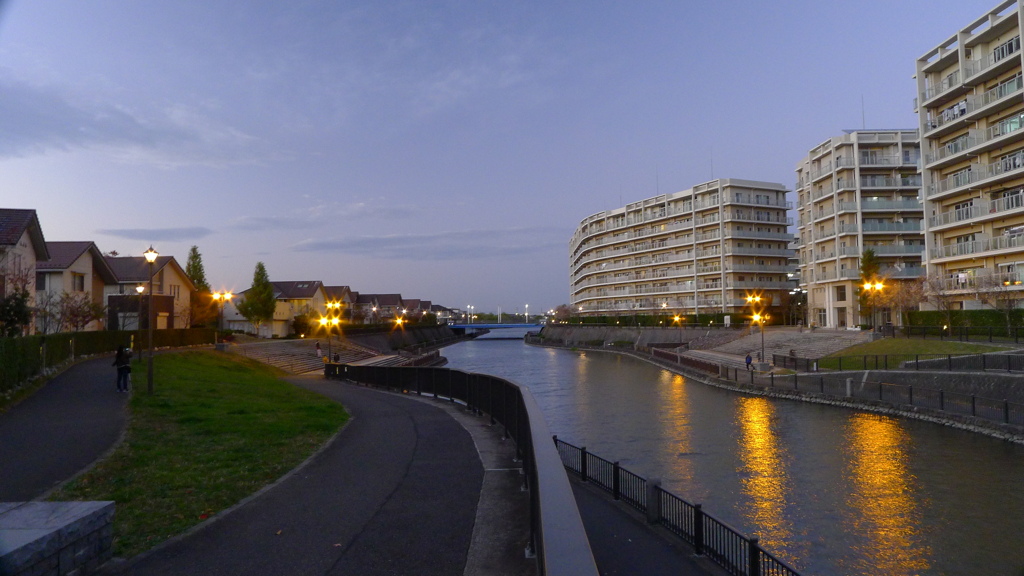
936	294
903	296
78	309
48	312
999	293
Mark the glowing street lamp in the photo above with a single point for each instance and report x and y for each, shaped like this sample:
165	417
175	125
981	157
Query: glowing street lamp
221	298
760	318
151	256
872	288
329	323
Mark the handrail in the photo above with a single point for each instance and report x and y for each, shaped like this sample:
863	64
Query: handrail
709	536
556	530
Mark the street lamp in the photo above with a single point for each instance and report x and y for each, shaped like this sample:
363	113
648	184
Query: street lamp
872	288
329	323
527	319
760	318
221	298
151	258
138	319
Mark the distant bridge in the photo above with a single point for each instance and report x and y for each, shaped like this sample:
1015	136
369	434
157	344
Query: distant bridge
471	328
495	326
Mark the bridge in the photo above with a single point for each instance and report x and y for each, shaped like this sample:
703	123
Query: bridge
496	326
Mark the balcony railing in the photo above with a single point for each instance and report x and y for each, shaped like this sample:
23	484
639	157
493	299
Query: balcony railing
975	138
978	246
947	83
972	104
903	182
975	67
913	226
869	205
1011	164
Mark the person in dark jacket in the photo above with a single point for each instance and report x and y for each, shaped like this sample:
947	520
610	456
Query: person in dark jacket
123	361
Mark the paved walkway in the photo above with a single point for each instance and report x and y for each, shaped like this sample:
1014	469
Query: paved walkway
410	486
60	430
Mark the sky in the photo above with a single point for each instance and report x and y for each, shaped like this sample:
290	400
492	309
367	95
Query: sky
442	150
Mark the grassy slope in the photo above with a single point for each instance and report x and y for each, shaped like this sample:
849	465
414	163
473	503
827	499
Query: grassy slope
217	429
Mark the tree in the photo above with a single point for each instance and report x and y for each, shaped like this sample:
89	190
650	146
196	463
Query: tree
563	312
303	324
998	292
78	309
195	271
935	293
258	304
15	313
903	296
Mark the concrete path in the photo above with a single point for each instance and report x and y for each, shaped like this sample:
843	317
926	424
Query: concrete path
396	492
60	430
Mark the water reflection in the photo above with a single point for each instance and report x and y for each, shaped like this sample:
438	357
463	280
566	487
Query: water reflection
763	472
675	421
886	520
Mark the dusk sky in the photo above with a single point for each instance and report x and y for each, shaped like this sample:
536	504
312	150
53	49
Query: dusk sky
443	150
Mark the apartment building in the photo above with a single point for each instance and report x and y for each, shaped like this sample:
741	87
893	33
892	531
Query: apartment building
856	192
970	109
700	251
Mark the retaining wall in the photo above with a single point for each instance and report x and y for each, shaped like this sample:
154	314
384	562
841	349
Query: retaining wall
583	335
55	538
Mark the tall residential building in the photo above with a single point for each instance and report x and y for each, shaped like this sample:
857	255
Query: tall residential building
971	111
699	251
855	192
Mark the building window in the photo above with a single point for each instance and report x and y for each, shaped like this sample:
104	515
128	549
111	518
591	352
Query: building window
40	281
840	293
78	282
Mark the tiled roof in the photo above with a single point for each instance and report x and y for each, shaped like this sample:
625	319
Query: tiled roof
300	290
14	223
64	254
337	293
135	269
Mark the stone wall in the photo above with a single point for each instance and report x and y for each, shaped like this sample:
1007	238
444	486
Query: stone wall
402	338
55	538
641	336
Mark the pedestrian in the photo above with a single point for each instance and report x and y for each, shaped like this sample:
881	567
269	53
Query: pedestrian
319	352
123	362
749	360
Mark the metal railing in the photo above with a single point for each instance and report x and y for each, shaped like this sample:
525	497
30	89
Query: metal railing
557	535
904	397
726	546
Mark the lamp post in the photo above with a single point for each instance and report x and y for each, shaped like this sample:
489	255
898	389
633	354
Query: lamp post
138	319
329	323
221	298
872	288
151	258
760	320
527	315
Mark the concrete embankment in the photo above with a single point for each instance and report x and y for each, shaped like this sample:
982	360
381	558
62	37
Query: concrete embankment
640	336
402	338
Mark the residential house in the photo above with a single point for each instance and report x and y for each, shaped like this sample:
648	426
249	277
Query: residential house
341	297
293	298
75	274
171	297
21	246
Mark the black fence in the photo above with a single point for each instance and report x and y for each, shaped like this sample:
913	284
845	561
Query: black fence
959	333
557	536
899	396
709	536
940	362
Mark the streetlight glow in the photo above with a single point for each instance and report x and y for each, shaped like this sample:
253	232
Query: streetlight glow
151	256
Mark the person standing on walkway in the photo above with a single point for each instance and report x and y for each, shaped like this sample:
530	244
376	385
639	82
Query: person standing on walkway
748	360
123	362
319	351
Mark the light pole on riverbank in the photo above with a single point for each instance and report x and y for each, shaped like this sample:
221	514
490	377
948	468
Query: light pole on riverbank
151	256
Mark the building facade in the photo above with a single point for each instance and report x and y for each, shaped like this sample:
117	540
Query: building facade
856	192
970	109
704	250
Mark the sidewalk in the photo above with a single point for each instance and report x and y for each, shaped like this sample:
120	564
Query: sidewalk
60	430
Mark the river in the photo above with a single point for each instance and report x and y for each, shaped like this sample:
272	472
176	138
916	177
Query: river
830	490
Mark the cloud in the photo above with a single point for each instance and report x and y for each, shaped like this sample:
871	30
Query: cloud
451	245
37	119
158	234
324	213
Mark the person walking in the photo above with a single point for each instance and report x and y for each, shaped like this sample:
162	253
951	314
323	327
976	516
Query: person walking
123	362
319	351
749	360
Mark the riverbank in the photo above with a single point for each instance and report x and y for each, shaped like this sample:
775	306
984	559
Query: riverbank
1008	432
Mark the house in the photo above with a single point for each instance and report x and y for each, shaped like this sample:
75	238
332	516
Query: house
293	298
378	307
341	297
75	274
21	246
171	297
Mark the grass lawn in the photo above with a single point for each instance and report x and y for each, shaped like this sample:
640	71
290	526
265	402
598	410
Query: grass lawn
216	429
901	349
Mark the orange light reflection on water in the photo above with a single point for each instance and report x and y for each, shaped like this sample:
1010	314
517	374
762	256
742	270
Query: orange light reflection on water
883	497
763	473
677	424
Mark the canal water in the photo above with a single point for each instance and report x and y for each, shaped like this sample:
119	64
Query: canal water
829	490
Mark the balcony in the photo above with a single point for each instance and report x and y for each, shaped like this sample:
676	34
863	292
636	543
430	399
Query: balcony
913	181
993	62
977	174
976	247
981	210
759	235
878	205
888	227
971	108
976	141
948	83
898	249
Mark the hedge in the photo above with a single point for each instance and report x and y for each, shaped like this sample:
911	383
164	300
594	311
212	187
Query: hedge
26	357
